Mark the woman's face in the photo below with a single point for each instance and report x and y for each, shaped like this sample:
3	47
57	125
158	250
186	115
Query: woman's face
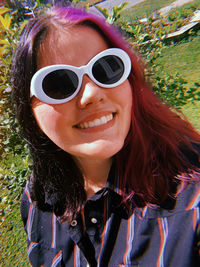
96	122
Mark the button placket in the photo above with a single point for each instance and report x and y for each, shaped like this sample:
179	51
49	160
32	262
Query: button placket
74	223
75	229
94	220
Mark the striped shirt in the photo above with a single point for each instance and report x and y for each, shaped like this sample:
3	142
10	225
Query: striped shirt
150	236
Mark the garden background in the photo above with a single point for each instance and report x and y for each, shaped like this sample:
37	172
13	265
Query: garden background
173	68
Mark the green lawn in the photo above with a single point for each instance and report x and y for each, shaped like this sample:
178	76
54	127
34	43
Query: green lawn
13	241
13	244
183	58
192	112
143	9
147	7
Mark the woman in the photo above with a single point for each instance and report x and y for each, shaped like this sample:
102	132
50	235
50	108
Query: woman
115	177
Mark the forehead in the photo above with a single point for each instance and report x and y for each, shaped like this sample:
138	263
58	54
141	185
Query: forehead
70	46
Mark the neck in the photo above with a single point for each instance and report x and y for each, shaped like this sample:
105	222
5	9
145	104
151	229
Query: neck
95	173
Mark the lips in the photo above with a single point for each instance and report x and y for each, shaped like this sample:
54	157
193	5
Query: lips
96	122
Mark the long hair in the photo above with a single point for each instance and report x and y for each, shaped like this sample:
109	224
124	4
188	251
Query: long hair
154	152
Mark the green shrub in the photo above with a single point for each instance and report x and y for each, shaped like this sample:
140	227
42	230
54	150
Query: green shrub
183	12
174	15
173	91
115	13
14	165
187	12
172	27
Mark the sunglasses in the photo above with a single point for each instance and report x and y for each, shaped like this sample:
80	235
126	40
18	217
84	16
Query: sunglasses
57	84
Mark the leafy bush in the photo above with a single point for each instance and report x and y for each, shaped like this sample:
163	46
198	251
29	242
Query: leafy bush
14	165
115	13
172	27
172	90
187	12
173	15
9	34
183	12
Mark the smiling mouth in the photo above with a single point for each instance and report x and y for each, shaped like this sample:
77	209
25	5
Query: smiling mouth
97	122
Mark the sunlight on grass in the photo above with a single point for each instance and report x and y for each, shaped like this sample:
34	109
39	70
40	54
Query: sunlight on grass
143	9
192	112
13	238
183	58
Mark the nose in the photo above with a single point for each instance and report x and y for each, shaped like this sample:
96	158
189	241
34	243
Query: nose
90	93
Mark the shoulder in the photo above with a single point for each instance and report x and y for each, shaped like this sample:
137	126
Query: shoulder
39	225
32	216
189	198
185	203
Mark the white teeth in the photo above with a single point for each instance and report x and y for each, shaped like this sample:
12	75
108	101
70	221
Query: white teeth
91	124
96	122
85	125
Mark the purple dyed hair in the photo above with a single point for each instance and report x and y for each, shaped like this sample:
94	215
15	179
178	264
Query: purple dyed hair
154	152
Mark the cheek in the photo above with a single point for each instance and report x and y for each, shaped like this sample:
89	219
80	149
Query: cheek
128	92
126	103
125	97
48	120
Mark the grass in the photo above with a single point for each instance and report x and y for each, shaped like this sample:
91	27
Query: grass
13	251
192	111
143	9
87	2
183	58
13	241
148	7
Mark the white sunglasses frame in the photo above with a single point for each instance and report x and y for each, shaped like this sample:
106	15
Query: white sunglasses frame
37	79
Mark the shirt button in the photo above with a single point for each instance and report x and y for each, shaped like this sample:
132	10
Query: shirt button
105	193
74	223
94	220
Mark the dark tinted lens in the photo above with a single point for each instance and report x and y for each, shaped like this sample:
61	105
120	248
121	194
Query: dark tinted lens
108	69
60	84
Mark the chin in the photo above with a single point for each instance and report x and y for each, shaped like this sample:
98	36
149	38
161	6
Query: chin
98	150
